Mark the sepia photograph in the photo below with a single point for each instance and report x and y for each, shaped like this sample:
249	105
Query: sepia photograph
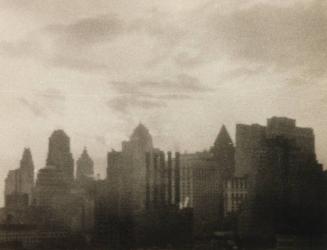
163	125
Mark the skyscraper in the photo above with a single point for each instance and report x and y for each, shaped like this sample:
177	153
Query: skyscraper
60	156
27	173
21	180
84	167
133	159
284	178
223	152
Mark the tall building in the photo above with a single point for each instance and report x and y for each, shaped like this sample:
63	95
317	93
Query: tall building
84	167
134	167
207	196
163	181
223	152
27	173
251	139
60	156
21	180
283	175
50	185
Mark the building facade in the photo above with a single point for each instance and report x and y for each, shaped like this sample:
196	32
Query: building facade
21	181
84	167
60	156
235	194
283	175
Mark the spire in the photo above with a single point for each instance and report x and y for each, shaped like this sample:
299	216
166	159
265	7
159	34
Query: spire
223	152
223	138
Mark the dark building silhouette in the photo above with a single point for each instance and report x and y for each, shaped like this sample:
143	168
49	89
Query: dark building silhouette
223	153
21	181
207	196
202	179
284	179
84	167
143	195
60	156
162	180
251	139
50	185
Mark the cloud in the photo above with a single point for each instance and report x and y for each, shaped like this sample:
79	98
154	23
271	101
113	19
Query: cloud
87	31
241	72
182	83
43	103
67	45
34	107
146	95
289	37
18	48
124	104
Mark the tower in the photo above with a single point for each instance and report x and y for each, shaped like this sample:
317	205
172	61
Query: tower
84	167
59	155
223	152
20	181
134	165
27	173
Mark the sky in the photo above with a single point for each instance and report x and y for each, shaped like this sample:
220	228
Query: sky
181	67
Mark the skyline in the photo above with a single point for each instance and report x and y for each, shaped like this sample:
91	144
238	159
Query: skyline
183	68
101	169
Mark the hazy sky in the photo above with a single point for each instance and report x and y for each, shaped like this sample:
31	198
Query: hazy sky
95	68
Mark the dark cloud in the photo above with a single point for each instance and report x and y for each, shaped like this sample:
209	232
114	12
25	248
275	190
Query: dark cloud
67	45
291	37
124	104
147	95
88	31
182	83
32	49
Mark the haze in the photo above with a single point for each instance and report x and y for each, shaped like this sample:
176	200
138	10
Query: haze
181	67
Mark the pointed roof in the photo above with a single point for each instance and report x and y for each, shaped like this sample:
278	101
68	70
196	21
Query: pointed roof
223	137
